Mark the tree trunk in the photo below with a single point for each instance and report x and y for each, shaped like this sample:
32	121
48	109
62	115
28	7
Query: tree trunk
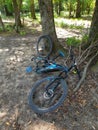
32	8
47	21
78	9
2	24
56	7
70	9
60	7
17	7
93	35
88	9
8	13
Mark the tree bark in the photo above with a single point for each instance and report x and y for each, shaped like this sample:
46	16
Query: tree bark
2	24
70	9
60	7
8	13
47	21
32	8
17	7
78	9
93	35
56	7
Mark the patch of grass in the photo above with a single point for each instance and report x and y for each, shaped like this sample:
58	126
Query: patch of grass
63	25
71	26
72	23
76	26
22	33
1	29
73	41
85	38
9	27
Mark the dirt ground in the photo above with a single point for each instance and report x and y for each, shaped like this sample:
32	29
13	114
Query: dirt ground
78	112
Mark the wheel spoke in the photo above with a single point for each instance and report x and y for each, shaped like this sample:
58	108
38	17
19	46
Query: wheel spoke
44	46
47	96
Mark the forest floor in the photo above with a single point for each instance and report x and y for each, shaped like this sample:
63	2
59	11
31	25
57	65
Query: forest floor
78	112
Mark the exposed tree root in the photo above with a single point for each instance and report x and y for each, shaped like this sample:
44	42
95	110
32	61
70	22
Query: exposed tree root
84	73
87	52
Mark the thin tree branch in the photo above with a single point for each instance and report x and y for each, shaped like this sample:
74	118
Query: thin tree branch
84	73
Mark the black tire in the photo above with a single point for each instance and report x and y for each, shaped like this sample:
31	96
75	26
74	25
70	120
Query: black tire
40	102
44	46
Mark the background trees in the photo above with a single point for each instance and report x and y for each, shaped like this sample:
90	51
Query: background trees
78	9
17	8
2	24
93	35
58	6
6	6
61	8
32	9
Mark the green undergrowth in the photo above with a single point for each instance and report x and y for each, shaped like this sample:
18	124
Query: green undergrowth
72	23
76	41
72	26
73	41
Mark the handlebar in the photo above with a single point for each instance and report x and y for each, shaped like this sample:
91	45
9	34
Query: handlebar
74	60
47	59
60	54
78	72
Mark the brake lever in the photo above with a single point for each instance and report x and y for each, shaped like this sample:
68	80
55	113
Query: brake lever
78	72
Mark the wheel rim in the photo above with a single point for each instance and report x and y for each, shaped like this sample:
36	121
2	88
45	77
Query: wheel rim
44	46
41	102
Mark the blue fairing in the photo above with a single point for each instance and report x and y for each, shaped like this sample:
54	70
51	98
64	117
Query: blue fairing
56	67
29	69
52	66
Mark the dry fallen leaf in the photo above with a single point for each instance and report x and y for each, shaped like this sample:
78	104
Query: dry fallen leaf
7	123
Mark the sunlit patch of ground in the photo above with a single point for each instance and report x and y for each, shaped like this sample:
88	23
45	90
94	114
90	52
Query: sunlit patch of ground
75	22
42	125
66	33
32	26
